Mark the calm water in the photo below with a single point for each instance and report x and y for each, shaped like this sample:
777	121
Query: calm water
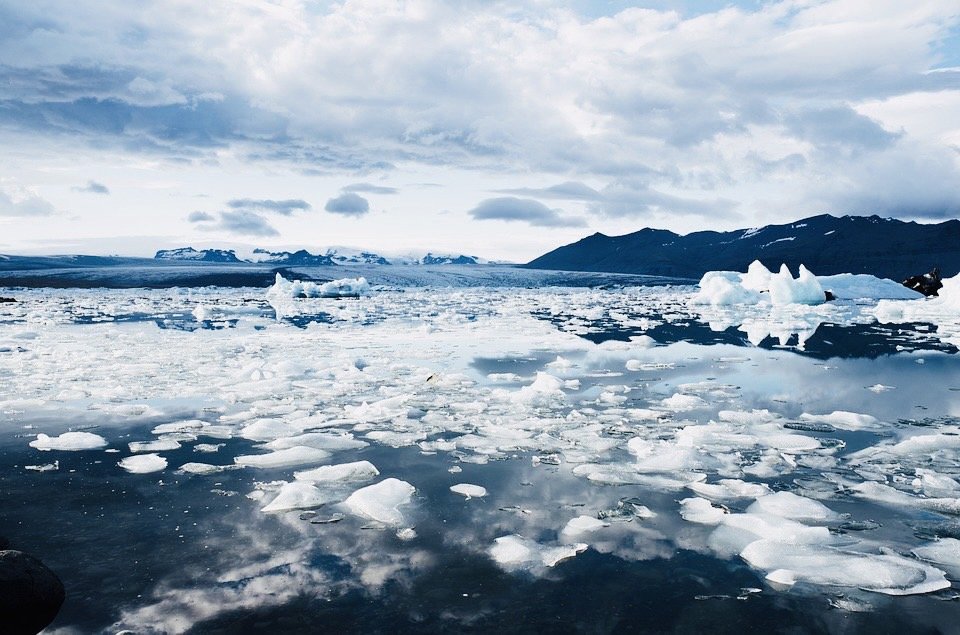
447	377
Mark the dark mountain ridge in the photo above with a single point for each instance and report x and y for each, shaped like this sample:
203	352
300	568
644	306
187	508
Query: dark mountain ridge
884	247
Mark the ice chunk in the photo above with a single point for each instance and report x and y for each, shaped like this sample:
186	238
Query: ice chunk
204	468
700	510
69	441
843	420
268	430
583	525
297	455
322	440
789	505
468	490
945	552
380	501
720	290
190	425
160	445
682	403
357	471
824	565
848	286
805	289
297	495
727	489
515	552
344	287
143	463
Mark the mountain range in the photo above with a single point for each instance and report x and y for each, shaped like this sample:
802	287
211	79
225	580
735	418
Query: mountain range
884	247
303	258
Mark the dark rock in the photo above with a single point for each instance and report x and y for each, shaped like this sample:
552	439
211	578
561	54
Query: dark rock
829	296
928	284
4	300
30	594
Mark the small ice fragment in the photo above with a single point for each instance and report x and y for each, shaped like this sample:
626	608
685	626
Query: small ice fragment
69	441
683	403
468	490
513	552
203	468
143	463
626	510
582	525
297	495
345	472
327	520
208	447
380	501
297	455
159	445
879	388
456	469
190	425
406	534
47	467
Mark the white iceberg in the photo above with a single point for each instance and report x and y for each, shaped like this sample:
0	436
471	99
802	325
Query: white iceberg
69	441
297	495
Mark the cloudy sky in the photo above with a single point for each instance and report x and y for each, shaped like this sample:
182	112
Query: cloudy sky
500	129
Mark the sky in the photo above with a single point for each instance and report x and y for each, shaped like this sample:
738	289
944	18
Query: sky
496	129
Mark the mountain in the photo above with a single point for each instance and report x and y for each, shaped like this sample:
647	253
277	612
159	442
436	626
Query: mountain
430	259
345	256
827	245
301	258
194	255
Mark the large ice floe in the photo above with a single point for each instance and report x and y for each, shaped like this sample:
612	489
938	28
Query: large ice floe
629	423
759	284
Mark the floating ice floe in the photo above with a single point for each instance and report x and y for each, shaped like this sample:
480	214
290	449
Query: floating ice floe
823	565
159	445
581	525
297	455
759	284
944	552
517	552
468	490
143	463
344	287
380	501
69	441
357	471
298	495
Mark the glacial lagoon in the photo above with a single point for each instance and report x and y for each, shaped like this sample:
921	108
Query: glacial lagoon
440	459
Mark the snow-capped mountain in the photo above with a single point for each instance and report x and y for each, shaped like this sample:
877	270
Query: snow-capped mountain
198	255
884	247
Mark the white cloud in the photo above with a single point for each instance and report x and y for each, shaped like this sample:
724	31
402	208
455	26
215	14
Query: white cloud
18	200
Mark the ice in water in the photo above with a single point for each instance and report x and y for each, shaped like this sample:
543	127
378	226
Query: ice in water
381	501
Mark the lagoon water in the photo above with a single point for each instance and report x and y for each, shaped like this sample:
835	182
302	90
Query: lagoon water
649	465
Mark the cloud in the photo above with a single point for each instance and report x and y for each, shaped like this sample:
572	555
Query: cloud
706	105
93	187
635	198
242	222
348	204
529	211
284	207
369	188
200	217
17	200
568	191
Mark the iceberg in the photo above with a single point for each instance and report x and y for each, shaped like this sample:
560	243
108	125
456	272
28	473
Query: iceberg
69	441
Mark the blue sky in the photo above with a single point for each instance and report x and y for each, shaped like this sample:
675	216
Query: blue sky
500	129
